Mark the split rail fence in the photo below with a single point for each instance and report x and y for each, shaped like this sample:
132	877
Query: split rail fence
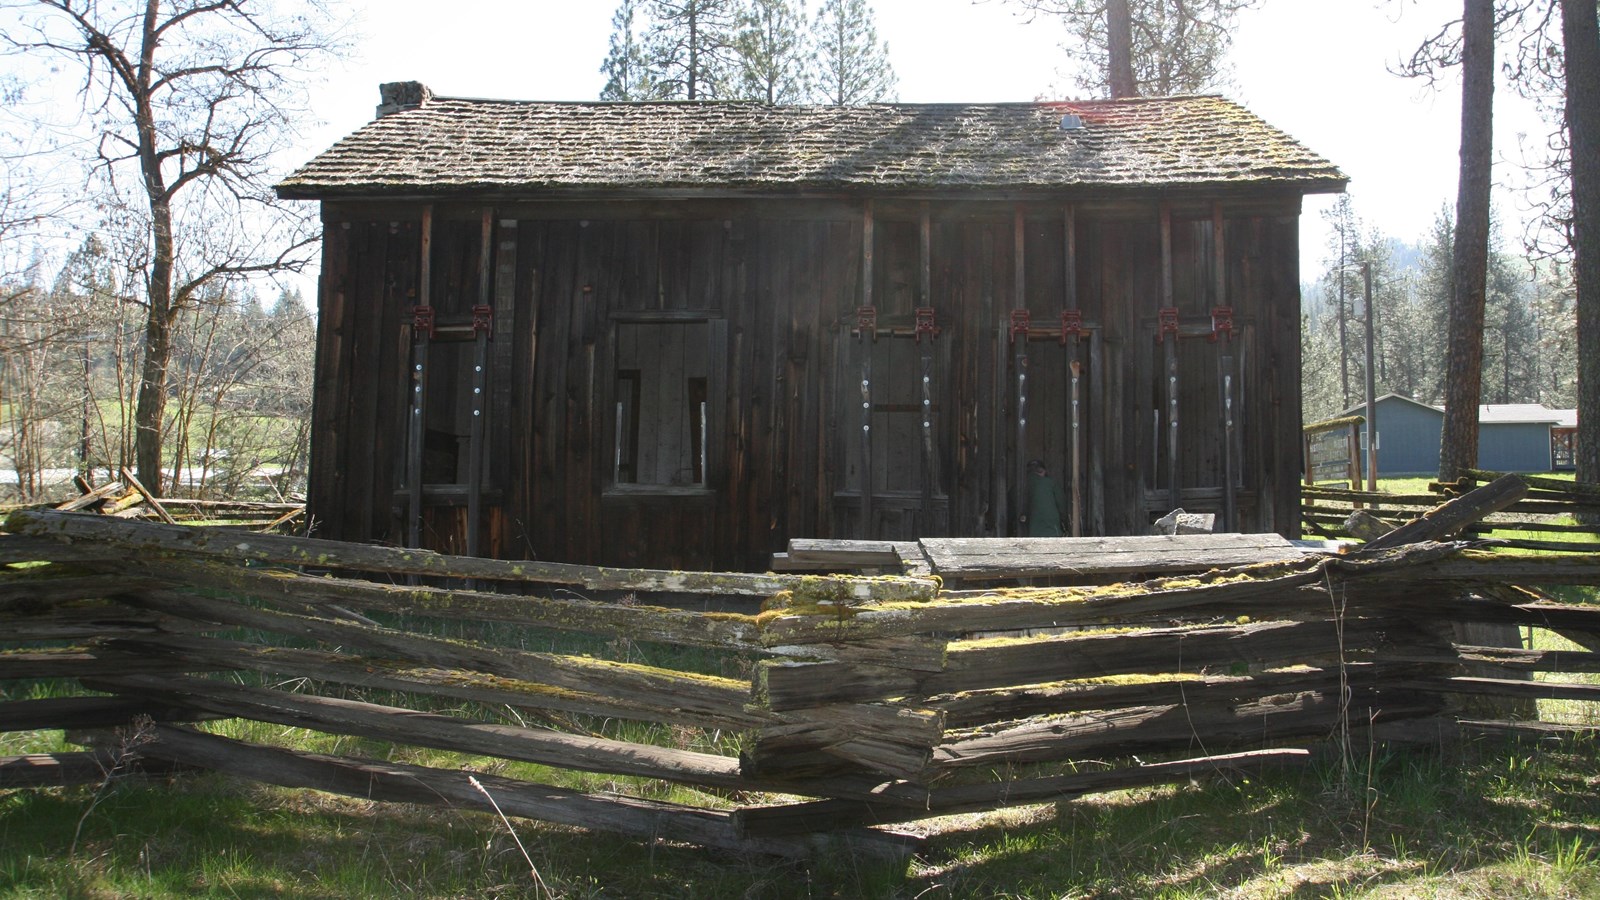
1555	514
840	708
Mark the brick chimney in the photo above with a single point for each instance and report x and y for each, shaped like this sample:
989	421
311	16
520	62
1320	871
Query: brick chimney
397	96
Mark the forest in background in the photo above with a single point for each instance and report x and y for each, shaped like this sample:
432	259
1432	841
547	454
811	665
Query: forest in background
238	418
1530	340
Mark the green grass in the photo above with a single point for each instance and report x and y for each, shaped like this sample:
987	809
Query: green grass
1478	820
1482	820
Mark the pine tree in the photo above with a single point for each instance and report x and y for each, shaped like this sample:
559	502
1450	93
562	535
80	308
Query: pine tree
690	49
1556	324
1171	46
772	53
628	77
1580	33
854	65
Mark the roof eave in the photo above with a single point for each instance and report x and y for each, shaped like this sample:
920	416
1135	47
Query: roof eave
293	191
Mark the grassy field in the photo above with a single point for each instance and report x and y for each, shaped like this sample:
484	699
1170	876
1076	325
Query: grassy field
1482	820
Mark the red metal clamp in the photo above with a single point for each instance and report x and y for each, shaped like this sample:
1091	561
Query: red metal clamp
422	321
867	321
1221	323
926	324
1021	323
483	320
1166	323
1072	325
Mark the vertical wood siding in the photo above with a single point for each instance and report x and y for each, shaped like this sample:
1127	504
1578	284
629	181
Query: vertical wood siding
777	286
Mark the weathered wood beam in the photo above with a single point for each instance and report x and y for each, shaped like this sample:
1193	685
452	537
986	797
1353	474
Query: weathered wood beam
52	589
16	548
78	662
888	739
432	680
304	593
705	694
1537	730
1301	582
52	623
91	497
441	732
1455	514
1513	659
1136	729
1504	687
35	770
89	712
1000	662
394	782
132	539
971	709
800	818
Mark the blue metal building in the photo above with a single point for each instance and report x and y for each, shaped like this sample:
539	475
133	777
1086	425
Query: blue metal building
1512	437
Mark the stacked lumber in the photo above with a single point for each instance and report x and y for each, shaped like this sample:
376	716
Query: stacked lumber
859	702
128	498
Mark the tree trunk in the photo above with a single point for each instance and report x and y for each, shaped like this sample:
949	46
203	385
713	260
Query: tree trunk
1119	41
151	409
1458	447
147	416
1580	35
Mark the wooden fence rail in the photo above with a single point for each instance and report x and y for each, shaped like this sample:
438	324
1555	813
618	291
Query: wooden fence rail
840	707
1561	512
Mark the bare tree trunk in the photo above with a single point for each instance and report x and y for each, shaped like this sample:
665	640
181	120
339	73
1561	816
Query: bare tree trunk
1580	35
1458	447
1119	42
148	415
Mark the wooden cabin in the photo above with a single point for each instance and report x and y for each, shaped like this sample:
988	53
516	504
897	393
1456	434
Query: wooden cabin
679	334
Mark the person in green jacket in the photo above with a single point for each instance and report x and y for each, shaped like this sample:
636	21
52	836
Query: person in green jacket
1047	503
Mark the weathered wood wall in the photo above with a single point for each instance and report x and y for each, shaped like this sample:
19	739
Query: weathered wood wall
774	287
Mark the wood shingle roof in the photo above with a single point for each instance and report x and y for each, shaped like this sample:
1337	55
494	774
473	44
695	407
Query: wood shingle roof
449	146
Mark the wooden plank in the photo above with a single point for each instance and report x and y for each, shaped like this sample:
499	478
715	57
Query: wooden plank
16	548
77	662
1025	608
1505	687
90	712
91	497
847	554
149	498
453	788
824	741
970	709
1000	662
1538	730
48	589
303	593
1514	659
35	770
1457	513
137	539
800	818
644	685
431	680
971	558
1138	729
441	732
30	623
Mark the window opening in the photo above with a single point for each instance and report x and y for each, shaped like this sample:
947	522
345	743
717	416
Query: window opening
662	412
